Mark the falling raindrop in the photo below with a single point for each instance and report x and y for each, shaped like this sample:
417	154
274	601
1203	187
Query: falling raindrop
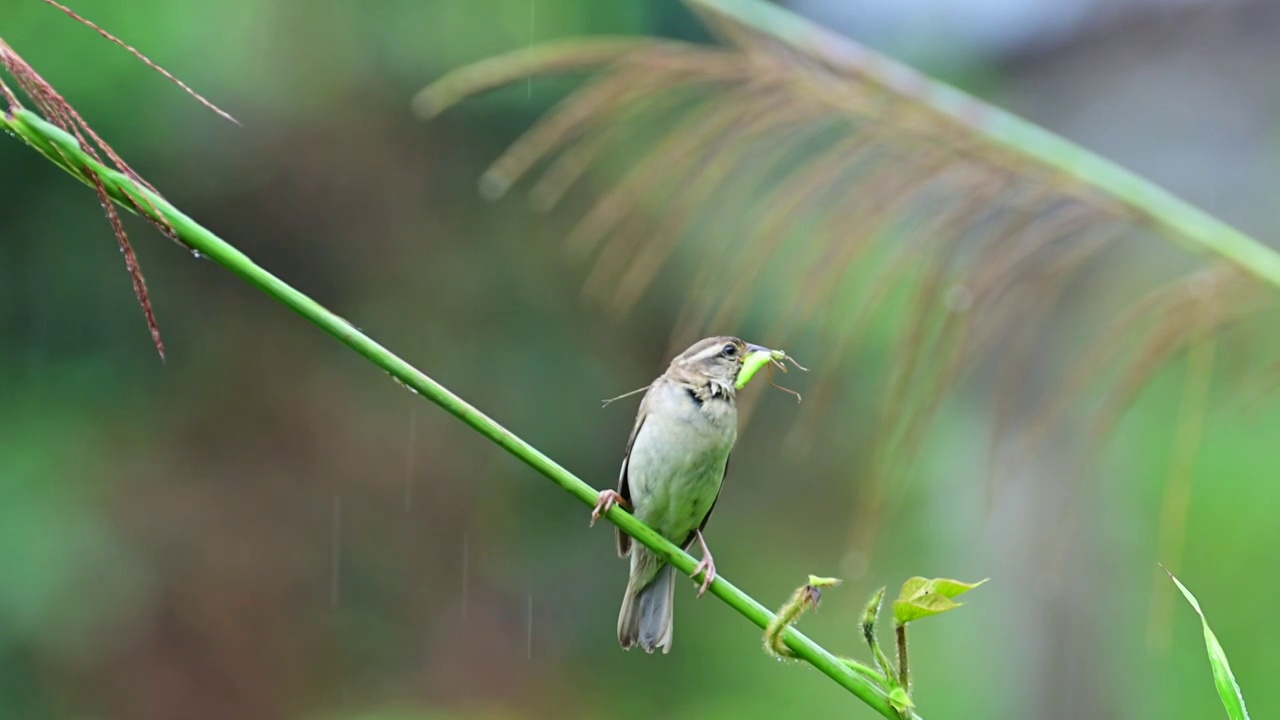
409	461
402	384
529	622
336	557
466	570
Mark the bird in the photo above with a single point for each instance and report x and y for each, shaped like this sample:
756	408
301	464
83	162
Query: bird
672	470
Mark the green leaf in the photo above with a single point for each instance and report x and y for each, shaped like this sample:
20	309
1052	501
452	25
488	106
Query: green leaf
1232	700
952	588
900	700
922	597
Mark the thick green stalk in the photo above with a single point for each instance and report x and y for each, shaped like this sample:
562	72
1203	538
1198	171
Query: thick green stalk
1180	220
64	151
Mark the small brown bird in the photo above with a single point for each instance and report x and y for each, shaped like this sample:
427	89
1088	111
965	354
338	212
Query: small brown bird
671	474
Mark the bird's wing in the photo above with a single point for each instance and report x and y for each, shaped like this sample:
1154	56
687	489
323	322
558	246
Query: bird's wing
622	539
702	526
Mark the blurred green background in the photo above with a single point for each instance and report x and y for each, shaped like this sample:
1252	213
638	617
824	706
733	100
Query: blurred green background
268	527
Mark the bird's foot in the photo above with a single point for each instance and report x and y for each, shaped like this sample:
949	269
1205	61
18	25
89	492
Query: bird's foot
604	502
707	566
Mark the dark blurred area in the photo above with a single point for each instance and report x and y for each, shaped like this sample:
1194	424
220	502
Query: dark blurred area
266	526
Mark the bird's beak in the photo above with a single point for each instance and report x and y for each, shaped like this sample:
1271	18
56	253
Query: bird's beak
757	356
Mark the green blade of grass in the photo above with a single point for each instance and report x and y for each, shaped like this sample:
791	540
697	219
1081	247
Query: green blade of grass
1228	689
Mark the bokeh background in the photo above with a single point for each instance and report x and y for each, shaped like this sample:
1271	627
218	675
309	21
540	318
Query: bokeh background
268	527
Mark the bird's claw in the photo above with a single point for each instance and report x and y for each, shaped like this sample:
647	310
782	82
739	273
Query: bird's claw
605	502
706	566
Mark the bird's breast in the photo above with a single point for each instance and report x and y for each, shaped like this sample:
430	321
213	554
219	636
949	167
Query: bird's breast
678	459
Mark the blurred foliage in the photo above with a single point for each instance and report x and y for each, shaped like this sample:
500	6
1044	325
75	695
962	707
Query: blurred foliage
263	528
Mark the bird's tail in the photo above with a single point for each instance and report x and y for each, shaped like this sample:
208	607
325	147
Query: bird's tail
646	615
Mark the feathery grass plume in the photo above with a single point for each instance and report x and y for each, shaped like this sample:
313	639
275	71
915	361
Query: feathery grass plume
849	185
145	60
1176	500
52	105
56	110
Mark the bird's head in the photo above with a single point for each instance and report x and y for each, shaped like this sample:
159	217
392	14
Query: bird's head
714	361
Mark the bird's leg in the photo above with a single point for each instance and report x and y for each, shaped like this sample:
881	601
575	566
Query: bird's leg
706	564
606	501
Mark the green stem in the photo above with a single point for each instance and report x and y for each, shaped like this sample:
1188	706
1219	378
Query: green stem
904	673
1021	139
869	617
63	150
881	659
869	673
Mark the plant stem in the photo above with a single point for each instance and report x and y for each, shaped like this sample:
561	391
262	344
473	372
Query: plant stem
904	674
866	672
881	659
869	617
63	150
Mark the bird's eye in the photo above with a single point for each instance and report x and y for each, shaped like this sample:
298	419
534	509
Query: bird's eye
730	350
